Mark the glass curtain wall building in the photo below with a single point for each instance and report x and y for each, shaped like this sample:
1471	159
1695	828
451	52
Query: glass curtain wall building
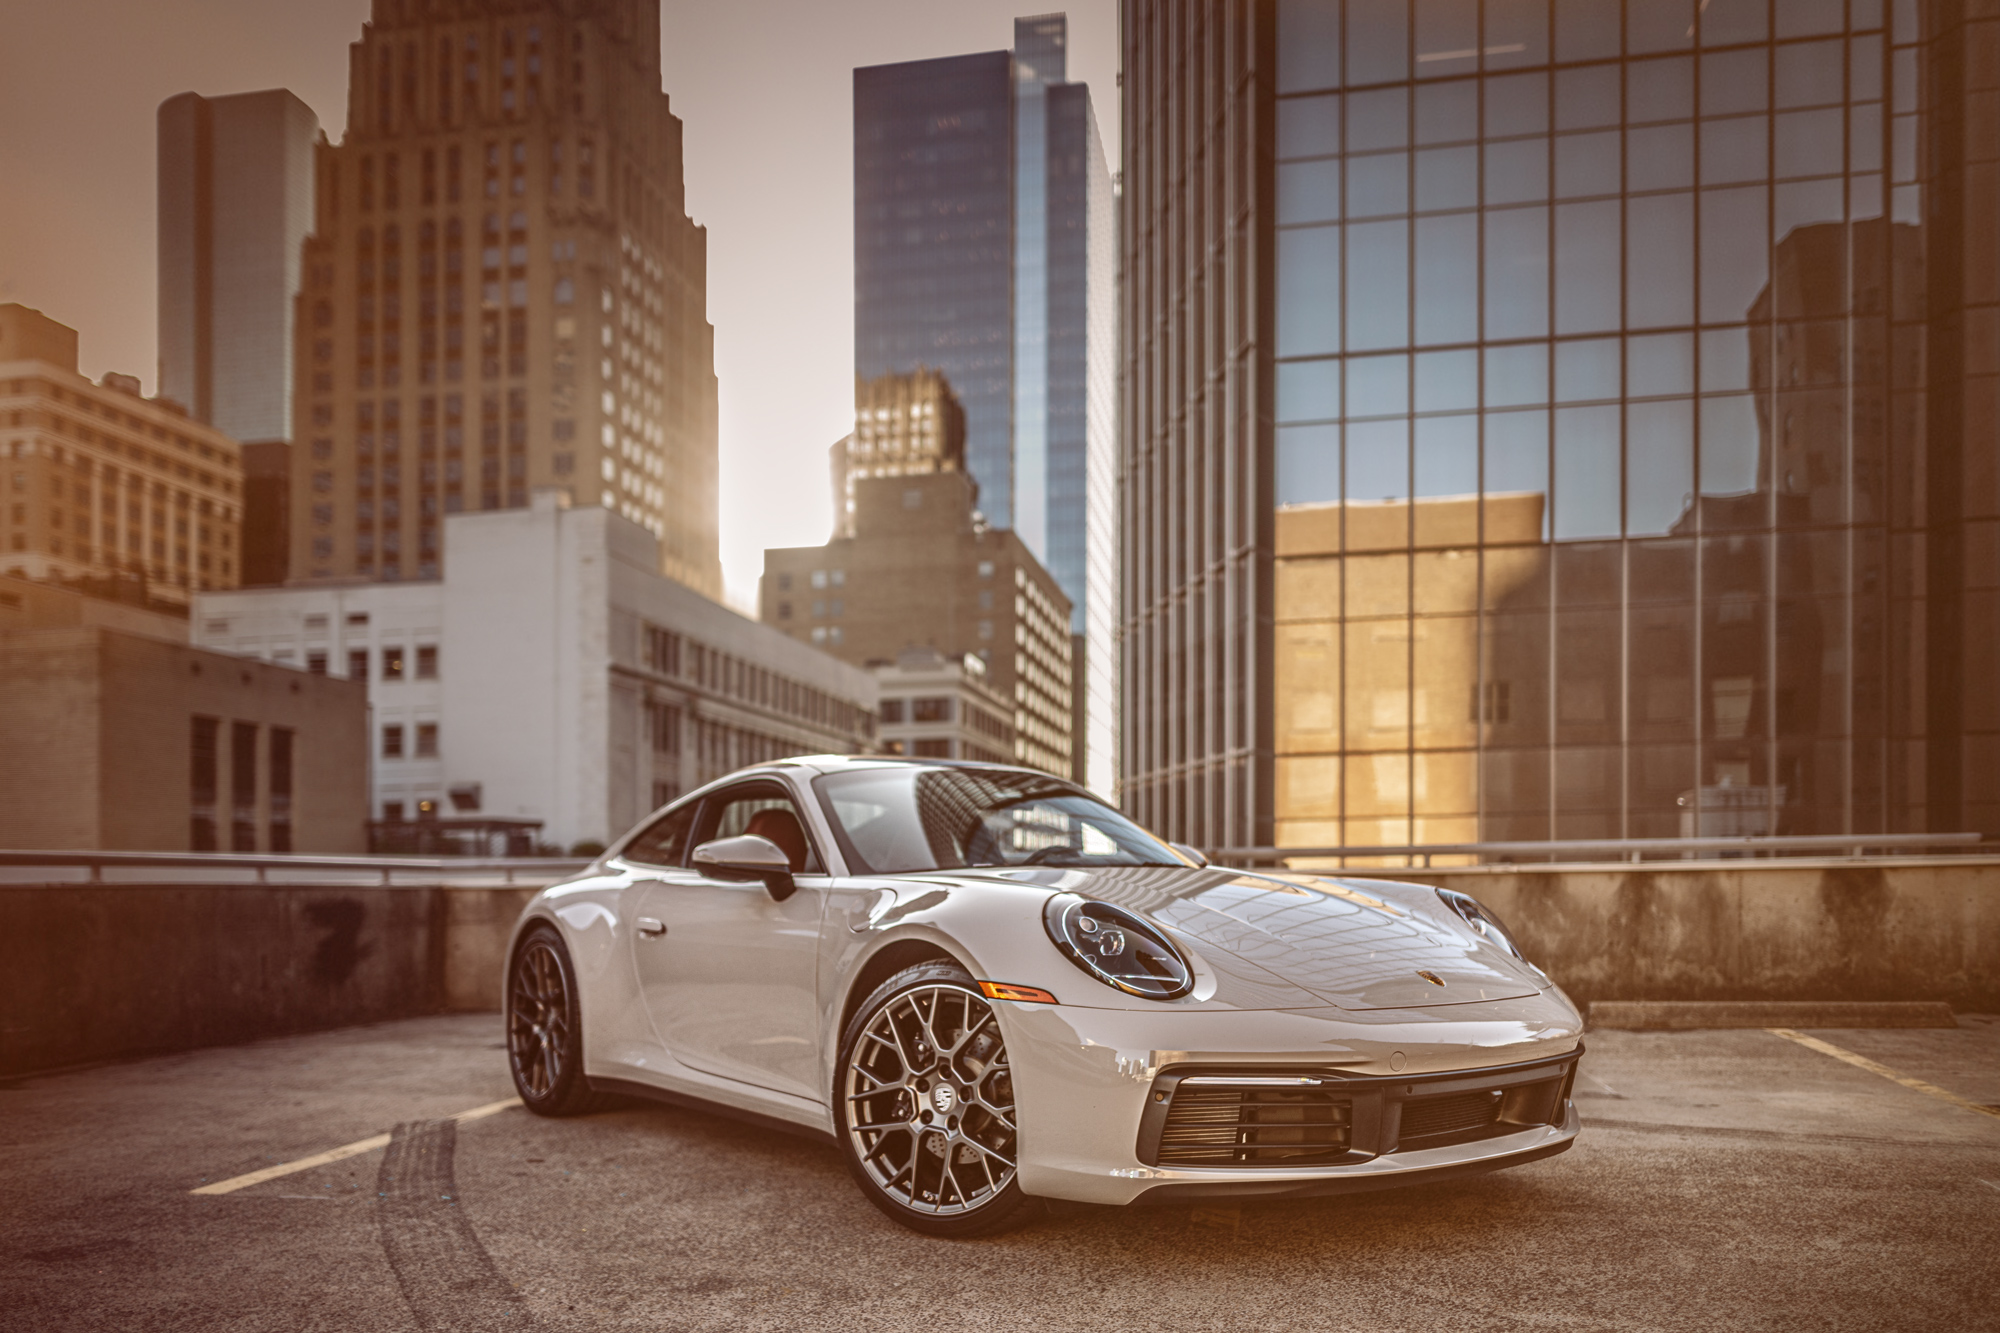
984	228
1558	419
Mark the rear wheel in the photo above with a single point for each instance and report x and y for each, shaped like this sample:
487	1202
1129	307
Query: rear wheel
545	1028
925	1105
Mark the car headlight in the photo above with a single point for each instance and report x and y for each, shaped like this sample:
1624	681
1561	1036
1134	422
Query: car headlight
1484	924
1117	948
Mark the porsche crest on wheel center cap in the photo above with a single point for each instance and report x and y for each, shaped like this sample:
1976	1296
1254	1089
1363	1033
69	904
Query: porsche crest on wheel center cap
942	1098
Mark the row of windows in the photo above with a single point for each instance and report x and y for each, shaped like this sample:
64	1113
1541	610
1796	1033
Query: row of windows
209	812
85	464
673	654
396	662
1655	92
422	740
1325	44
87	405
514	168
1795	146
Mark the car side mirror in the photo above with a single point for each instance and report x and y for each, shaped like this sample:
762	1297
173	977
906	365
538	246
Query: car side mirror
747	857
1190	853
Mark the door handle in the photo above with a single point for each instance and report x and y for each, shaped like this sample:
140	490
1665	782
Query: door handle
651	927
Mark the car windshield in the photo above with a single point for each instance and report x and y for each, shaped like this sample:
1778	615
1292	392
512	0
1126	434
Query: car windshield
907	817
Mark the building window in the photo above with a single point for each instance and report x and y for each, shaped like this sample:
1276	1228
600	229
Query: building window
202	769
930	710
357	664
933	747
427	740
427	662
892	710
392	741
316	662
392	664
281	784
243	786
392	812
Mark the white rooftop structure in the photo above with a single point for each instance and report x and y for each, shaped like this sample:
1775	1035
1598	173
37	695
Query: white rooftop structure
551	674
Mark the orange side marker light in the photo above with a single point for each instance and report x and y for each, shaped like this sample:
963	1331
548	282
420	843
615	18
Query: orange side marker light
1007	990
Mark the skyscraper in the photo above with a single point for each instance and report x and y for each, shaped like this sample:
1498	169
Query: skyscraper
503	291
1558	420
236	201
983	247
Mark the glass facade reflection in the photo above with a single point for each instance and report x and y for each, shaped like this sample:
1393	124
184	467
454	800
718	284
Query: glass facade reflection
984	247
1612	456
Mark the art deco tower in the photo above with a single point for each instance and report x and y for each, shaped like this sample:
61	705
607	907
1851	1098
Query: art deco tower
503	290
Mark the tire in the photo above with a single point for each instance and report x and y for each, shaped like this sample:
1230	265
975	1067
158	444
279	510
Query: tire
906	1140
545	1028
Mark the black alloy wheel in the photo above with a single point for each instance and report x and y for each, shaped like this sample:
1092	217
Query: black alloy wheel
925	1105
545	1028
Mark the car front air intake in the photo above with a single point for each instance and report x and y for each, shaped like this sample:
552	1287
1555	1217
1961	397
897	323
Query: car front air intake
1255	1122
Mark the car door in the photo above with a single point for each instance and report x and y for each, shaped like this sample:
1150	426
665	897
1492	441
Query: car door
727	972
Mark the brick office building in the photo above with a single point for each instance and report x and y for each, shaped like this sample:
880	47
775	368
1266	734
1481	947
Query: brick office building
97	482
119	738
503	291
924	570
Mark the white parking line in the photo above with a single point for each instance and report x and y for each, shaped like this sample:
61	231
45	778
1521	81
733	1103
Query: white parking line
1863	1062
346	1150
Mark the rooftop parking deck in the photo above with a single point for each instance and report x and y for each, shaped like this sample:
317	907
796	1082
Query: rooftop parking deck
1737	1179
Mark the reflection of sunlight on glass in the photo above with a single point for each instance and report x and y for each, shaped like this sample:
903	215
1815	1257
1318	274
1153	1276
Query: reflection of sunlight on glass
1096	842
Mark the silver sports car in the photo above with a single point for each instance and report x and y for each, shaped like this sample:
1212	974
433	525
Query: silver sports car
986	986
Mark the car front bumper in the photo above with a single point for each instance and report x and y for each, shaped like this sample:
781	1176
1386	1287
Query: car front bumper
1092	1087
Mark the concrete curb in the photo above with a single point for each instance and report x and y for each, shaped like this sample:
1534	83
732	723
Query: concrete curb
1690	1015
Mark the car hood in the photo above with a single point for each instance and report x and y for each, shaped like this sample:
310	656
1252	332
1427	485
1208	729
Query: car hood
1298	940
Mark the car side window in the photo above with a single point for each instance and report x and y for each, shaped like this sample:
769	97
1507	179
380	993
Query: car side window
665	842
763	810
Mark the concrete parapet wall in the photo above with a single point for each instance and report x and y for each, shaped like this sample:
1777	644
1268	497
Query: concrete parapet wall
1806	930
102	971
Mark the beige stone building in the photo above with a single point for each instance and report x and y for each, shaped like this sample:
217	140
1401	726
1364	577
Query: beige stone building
938	707
99	483
923	570
503	291
117	737
1383	701
904	425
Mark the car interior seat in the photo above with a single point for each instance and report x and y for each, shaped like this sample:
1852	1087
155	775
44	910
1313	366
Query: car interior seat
781	827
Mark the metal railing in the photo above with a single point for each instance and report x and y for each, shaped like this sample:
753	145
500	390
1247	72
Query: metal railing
268	868
1621	849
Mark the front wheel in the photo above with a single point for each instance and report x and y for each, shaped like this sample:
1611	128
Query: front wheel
926	1105
545	1028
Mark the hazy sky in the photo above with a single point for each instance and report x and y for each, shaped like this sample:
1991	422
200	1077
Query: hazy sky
764	87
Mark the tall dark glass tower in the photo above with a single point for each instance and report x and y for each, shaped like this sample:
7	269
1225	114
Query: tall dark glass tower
983	247
1558	418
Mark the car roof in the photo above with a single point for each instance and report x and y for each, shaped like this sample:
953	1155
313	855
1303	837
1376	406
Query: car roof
834	763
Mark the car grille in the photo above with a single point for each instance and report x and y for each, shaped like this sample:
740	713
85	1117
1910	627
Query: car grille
1225	1126
1459	1113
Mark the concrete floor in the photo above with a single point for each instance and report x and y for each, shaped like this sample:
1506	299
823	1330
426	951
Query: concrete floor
1724	1180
